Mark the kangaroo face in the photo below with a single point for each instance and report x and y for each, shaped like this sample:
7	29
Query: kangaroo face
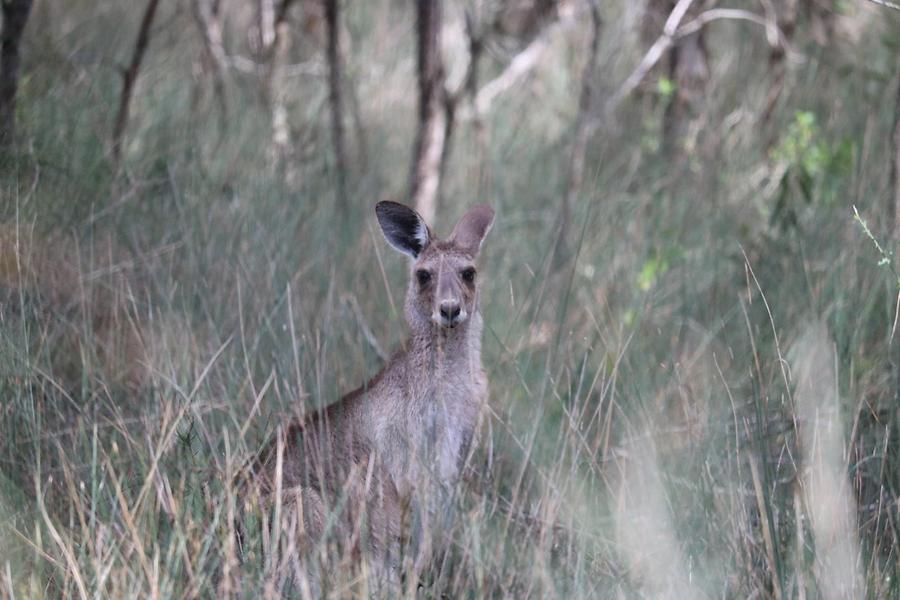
443	286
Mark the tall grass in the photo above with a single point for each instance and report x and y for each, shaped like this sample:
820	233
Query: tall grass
699	401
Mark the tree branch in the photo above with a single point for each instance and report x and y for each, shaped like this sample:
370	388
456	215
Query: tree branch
656	51
886	3
673	33
520	65
129	77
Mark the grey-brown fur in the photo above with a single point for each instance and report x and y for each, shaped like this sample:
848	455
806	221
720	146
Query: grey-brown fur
394	447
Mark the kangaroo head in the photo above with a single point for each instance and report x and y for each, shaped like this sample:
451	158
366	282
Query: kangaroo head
443	287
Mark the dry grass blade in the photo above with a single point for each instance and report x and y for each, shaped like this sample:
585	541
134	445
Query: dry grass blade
73	569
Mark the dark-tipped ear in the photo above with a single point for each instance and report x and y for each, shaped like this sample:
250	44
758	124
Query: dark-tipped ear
404	229
471	229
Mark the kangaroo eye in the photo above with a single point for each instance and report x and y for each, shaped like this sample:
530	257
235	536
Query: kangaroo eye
468	274
423	276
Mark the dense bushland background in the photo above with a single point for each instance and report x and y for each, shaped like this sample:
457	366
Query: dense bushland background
690	337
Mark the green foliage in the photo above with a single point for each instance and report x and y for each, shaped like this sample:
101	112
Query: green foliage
813	167
654	267
666	88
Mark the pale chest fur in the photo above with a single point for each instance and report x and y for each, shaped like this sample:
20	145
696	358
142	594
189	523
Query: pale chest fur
445	420
423	440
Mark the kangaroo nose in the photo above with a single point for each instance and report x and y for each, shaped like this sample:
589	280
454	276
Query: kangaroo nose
450	312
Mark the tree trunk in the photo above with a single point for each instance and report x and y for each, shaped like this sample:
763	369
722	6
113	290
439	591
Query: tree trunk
129	77
894	216
467	88
895	164
688	66
820	16
206	15
266	13
282	148
15	16
785	16
582	134
425	176
689	71
332	22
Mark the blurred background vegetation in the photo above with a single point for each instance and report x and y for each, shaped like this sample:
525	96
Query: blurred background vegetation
690	292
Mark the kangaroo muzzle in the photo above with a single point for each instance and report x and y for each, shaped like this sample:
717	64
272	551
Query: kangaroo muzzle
449	314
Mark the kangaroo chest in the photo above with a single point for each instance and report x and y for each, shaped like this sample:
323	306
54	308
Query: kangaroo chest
447	415
427	443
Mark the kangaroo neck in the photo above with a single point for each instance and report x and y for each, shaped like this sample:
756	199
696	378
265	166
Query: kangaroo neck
440	350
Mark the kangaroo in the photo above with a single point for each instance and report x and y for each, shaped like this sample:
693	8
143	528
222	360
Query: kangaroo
396	445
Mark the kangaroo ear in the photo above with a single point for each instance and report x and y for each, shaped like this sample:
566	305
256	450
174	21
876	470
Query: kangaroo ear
471	229
403	228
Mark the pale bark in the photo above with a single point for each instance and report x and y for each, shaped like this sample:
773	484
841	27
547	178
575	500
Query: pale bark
467	87
266	23
282	149
281	136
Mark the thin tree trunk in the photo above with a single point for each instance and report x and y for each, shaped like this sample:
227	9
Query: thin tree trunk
657	50
895	162
785	16
15	17
894	216
689	71
425	176
582	133
266	23
282	149
469	87
129	77
332	16
820	16
206	15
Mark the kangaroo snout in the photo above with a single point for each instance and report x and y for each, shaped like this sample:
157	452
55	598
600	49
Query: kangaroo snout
450	314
